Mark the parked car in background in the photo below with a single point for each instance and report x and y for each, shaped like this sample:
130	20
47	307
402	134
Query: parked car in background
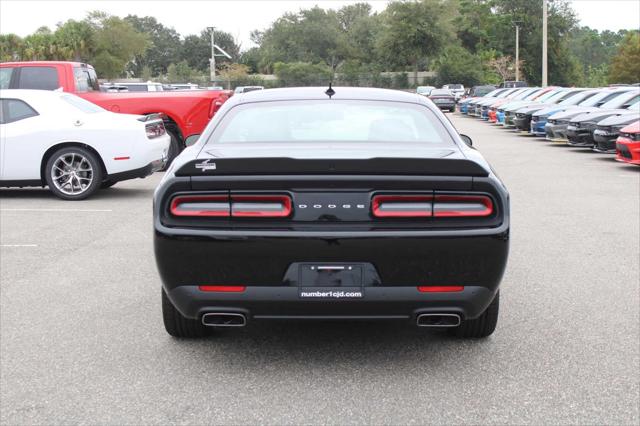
480	90
628	144
539	118
556	126
467	105
73	146
581	127
607	131
444	99
457	90
523	116
424	90
245	89
184	113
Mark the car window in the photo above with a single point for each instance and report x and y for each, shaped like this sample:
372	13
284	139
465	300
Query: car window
335	121
86	79
577	98
39	78
5	77
15	110
437	92
620	101
81	104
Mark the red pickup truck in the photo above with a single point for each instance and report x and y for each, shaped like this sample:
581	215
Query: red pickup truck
185	113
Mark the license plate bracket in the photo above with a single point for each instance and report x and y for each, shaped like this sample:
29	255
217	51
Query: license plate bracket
330	275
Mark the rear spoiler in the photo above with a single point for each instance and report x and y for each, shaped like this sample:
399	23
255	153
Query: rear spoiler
372	166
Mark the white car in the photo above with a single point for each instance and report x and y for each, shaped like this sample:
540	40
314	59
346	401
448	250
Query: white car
74	147
457	89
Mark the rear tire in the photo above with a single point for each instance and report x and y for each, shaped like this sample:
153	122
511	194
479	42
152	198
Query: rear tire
73	173
482	326
179	326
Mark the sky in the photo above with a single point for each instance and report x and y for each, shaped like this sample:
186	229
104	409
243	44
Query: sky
240	17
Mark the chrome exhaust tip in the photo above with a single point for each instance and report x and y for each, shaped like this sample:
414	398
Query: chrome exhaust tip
224	319
438	320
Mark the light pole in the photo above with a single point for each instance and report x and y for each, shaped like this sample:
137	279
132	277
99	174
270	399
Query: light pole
517	24
212	61
544	43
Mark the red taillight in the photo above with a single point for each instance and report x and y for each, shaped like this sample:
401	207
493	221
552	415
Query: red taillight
231	206
440	288
462	206
214	107
402	205
223	288
260	205
201	205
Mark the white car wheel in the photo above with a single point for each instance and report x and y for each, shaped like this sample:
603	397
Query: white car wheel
73	173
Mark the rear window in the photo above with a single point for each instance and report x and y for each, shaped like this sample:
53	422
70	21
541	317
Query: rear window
441	92
81	104
39	78
330	121
12	110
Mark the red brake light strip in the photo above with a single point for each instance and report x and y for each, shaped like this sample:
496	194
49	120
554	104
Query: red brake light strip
231	206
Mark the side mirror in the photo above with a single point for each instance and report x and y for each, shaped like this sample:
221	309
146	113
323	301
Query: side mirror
191	140
466	140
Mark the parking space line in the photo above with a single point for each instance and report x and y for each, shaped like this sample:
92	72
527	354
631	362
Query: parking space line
58	210
18	245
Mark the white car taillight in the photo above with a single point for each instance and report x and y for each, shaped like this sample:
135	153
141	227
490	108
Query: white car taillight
155	130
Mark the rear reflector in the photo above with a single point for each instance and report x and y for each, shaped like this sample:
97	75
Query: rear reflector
260	205
462	206
440	288
201	205
402	205
223	288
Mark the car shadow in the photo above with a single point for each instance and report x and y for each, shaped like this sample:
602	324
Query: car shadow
103	194
329	344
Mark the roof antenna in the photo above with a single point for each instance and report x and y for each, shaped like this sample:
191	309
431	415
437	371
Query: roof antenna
330	92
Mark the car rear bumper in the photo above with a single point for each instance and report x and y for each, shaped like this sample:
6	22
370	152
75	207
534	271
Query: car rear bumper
141	172
377	303
261	265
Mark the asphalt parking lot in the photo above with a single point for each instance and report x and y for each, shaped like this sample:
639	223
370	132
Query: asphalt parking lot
82	339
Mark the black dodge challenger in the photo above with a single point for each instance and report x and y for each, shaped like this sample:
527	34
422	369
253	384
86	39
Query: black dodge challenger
339	203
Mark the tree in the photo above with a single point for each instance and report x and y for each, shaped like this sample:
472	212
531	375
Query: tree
180	72
10	47
302	74
458	65
164	46
116	44
78	37
413	32
196	49
625	66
